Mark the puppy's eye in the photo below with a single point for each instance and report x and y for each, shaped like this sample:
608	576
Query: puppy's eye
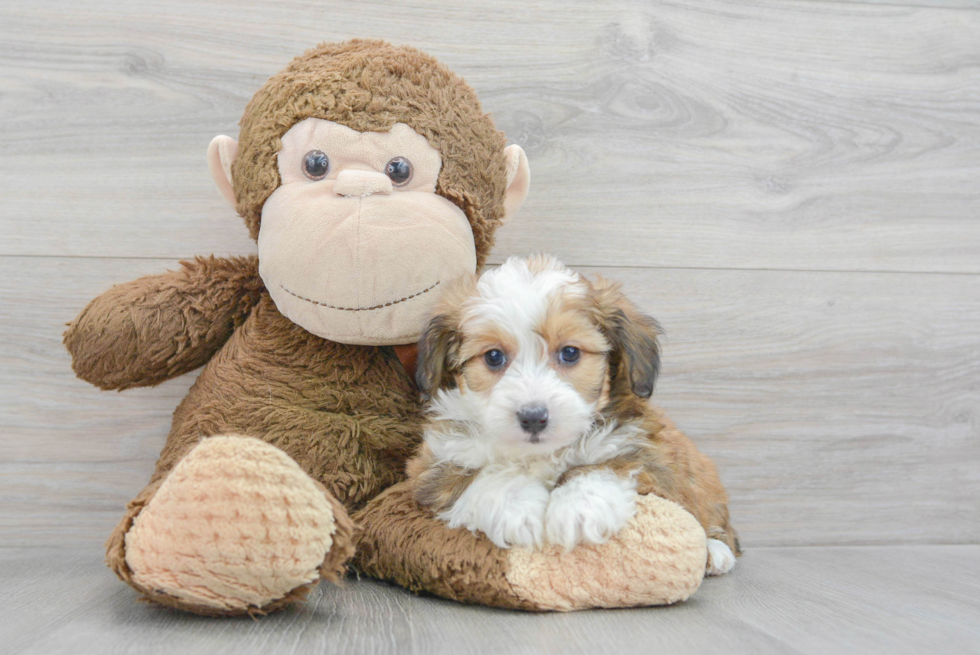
495	359
316	164
399	170
569	355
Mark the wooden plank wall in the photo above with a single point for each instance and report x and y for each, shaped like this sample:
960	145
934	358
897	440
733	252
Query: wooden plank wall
792	187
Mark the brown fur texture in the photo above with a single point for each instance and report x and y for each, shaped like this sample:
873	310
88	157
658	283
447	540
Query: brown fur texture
439	358
437	485
408	545
618	365
141	334
659	559
348	415
670	466
634	361
369	86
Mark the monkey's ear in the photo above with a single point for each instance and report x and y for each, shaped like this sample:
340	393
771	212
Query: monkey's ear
221	155
635	337
518	181
436	349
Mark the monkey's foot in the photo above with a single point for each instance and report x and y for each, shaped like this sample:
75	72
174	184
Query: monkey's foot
657	559
236	527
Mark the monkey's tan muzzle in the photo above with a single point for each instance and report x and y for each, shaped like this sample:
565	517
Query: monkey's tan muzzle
361	183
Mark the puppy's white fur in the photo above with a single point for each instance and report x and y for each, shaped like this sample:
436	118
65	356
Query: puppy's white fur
511	499
516	299
514	498
590	508
721	559
506	505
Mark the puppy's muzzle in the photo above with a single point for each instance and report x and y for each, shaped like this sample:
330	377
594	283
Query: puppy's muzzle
533	419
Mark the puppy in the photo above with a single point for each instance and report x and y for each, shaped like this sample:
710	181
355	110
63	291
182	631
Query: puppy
539	427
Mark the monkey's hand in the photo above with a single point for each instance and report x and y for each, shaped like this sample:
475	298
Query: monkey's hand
160	326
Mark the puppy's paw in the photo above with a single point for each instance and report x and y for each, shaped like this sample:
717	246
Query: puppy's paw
508	509
721	559
590	508
521	526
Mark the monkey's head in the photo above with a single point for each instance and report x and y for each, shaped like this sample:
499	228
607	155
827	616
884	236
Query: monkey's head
370	177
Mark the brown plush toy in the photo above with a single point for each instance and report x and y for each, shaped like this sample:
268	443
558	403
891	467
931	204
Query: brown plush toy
369	176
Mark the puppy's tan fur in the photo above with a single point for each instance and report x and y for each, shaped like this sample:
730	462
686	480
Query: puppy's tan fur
617	370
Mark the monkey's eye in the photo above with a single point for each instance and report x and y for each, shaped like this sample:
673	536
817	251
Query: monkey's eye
399	170
569	355
316	164
495	359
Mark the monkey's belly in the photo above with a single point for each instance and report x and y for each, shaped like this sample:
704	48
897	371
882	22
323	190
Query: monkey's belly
348	415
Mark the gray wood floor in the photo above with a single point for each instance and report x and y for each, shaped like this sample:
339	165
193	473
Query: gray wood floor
791	186
915	599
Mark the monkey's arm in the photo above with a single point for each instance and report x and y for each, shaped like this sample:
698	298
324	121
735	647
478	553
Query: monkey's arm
160	326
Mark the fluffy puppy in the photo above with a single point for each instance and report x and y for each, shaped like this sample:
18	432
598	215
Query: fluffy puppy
539	427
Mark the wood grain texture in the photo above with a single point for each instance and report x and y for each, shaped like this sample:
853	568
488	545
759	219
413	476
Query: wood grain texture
840	408
784	600
790	186
725	133
927	4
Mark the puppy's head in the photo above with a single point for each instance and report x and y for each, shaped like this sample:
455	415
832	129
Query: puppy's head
532	352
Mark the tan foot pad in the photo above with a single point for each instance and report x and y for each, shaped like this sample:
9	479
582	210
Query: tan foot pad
236	525
657	559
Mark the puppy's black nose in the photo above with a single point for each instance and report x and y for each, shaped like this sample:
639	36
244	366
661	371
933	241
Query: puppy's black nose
533	418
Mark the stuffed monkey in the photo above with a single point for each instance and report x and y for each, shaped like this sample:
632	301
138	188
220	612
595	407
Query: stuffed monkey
369	176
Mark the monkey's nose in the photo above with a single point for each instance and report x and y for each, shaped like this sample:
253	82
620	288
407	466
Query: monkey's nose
533	418
361	183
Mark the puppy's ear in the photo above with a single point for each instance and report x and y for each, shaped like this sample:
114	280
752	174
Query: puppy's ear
635	337
437	349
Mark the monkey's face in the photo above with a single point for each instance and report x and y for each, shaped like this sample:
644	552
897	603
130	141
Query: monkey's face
355	241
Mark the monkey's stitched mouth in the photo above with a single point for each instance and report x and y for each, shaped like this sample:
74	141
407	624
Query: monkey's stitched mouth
360	309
